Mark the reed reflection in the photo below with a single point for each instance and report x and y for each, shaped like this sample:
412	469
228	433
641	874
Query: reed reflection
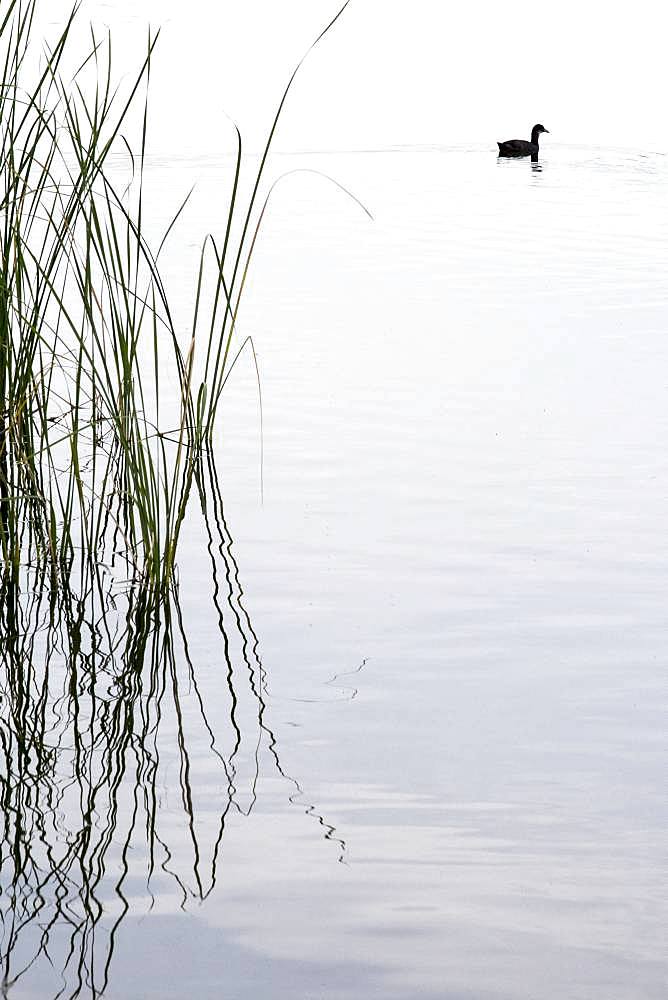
122	758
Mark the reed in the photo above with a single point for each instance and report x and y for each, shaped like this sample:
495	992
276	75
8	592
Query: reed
91	469
99	696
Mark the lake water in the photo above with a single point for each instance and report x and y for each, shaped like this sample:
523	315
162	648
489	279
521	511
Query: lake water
441	725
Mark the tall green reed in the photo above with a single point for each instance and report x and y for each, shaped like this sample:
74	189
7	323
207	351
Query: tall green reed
96	473
88	471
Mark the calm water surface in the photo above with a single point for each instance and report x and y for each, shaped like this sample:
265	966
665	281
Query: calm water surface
448	739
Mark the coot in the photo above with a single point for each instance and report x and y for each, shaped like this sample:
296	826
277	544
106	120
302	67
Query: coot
520	147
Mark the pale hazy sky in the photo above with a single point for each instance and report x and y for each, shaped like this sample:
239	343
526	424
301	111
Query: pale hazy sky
399	73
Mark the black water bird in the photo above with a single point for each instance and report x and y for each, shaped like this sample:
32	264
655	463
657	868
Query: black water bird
522	147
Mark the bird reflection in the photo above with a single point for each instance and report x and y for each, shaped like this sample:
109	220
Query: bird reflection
110	746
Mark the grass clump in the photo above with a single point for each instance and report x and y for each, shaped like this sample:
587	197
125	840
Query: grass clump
100	700
89	473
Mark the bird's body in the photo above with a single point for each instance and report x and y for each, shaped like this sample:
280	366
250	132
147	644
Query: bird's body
517	147
522	147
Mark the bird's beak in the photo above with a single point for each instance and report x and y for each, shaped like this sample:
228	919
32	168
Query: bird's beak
546	130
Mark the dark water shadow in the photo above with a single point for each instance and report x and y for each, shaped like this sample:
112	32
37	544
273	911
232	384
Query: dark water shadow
109	748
